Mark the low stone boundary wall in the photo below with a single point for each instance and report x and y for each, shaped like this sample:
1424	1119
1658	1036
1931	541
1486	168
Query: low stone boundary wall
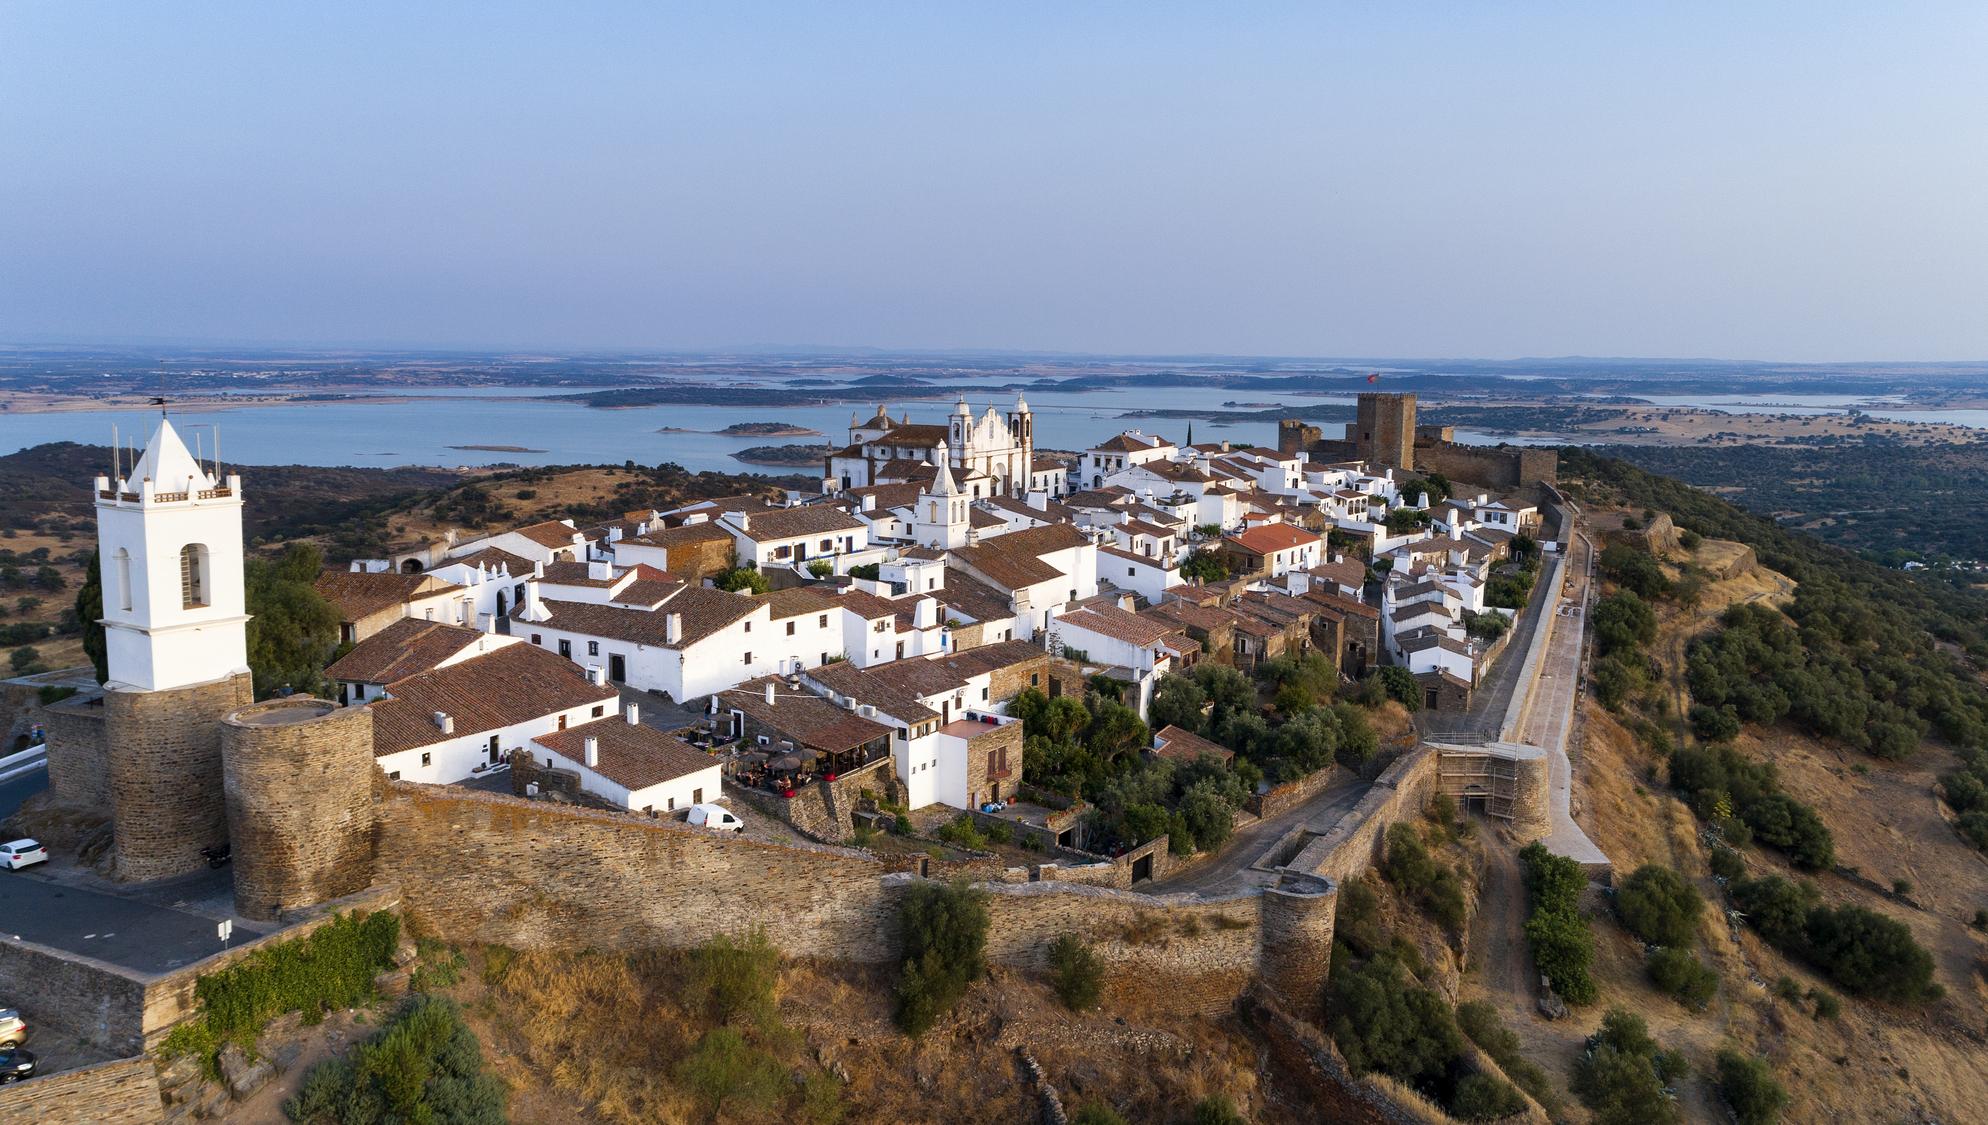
122	1010
125	1092
1283	798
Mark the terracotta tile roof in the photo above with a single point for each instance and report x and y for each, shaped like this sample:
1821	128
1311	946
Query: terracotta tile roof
705	611
887	695
1266	538
405	648
576	574
1346	572
359	595
1130	443
1015	560
1343	604
648	593
1148	560
515	684
799	601
802	717
791	523
685	535
1208	619
1185	746
868	606
632	755
1042	464
551	533
1110	621
1141	527
975	599
982	520
916	435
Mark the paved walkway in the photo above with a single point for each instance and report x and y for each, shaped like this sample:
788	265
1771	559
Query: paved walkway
1548	720
148	937
1232	868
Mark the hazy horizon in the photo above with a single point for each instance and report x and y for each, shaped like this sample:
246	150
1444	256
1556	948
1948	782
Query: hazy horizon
1783	183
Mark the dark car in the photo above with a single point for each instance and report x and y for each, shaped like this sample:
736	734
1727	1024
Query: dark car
16	1063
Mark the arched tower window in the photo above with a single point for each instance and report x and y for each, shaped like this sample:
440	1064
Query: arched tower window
121	574
193	577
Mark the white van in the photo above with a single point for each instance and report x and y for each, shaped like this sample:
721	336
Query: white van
717	818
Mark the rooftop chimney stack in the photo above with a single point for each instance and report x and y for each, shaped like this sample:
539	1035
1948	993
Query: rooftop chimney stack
769	693
673	629
595	676
600	571
633	713
593	752
445	722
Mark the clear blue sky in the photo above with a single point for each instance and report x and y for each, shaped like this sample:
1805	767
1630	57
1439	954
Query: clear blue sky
1748	180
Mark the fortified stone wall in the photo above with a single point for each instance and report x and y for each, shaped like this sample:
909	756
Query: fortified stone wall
1290	794
568	878
78	772
94	1001
1490	466
125	1092
1350	847
298	774
165	777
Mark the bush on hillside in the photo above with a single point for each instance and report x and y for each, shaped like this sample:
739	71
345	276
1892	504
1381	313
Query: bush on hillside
1659	906
1384	1021
1479	1021
733	979
1076	972
1683	977
1863	951
944	937
1624	1077
1562	945
1431	885
425	1065
1749	1089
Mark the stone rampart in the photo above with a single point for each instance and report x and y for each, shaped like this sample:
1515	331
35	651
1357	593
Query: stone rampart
570	878
1346	850
78	770
1291	794
124	1092
94	1001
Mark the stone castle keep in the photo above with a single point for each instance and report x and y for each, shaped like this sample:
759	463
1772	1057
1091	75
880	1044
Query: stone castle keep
1384	432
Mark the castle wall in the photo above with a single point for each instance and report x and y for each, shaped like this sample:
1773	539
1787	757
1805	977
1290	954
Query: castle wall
165	774
1346	850
478	867
125	1092
78	767
1504	468
298	783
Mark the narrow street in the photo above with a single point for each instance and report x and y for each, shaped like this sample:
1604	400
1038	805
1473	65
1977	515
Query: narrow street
1231	869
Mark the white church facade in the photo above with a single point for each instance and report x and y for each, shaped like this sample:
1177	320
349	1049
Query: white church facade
991	455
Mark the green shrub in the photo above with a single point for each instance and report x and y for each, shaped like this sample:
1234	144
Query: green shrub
332	967
1429	884
733	980
425	1065
1562	946
1863	951
1383	1021
1479	1020
962	832
1623	1075
944	928
1788	988
1659	906
743	578
1097	1113
821	1098
1400	686
1827	1006
725	1072
1681	976
1481	1097
1076	972
1727	863
1749	1089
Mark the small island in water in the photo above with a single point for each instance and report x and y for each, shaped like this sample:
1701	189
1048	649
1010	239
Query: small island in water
749	429
782	454
499	448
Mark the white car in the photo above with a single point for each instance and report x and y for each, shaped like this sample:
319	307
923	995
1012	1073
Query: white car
22	853
717	818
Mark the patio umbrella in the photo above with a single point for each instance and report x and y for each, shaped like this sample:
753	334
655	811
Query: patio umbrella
785	762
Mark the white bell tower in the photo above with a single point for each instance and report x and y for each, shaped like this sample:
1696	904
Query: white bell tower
940	518
169	541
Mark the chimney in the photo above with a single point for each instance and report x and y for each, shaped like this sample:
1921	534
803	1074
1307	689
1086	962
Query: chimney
742	519
598	571
673	628
869	501
633	713
487	622
593	752
925	613
769	693
595	676
614	534
445	722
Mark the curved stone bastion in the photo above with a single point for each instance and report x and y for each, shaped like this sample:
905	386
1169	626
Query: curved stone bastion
297	777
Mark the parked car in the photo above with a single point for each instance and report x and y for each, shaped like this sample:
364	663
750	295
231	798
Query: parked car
13	1029
16	1063
20	853
717	818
